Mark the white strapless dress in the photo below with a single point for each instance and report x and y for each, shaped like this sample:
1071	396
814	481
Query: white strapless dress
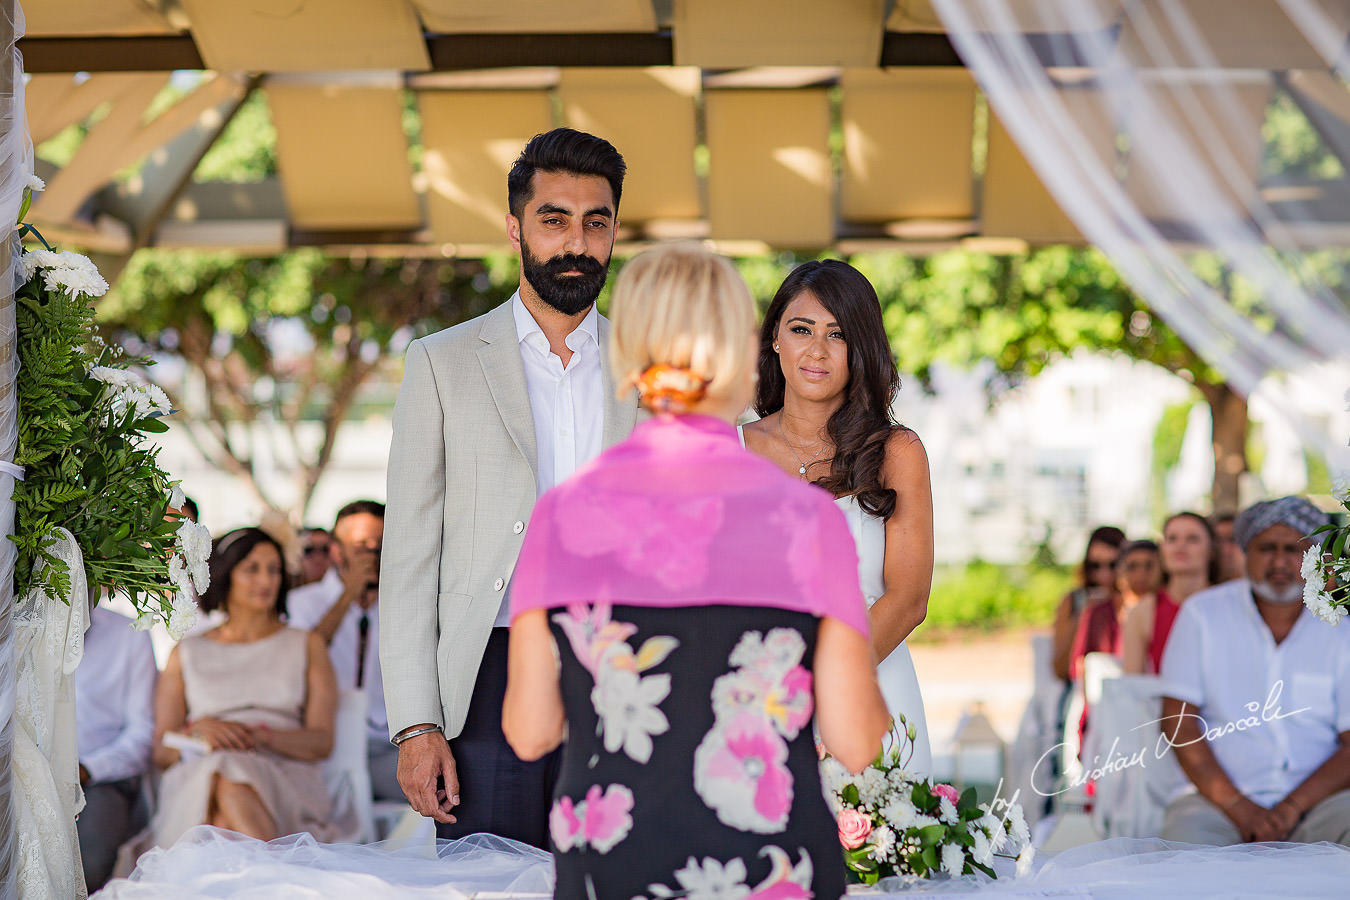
899	682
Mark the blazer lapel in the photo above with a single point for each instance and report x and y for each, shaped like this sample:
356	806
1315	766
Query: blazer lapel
499	356
620	417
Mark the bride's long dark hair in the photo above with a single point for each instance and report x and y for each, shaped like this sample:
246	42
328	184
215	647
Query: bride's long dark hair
862	424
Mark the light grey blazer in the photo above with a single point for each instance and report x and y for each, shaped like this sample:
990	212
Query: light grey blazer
461	488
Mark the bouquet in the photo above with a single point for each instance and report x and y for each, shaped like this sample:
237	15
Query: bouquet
1326	569
892	822
83	420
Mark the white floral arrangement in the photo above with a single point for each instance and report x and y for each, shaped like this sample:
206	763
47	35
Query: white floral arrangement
894	823
84	416
1326	569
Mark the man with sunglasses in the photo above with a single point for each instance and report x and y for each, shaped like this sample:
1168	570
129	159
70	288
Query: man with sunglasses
343	608
316	558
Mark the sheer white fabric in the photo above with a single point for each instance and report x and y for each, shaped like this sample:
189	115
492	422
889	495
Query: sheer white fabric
49	640
1144	119
211	862
15	164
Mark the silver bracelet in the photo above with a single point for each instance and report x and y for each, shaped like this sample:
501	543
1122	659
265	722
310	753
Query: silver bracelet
400	738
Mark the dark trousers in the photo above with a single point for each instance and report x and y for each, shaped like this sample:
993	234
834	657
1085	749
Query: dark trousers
109	818
498	792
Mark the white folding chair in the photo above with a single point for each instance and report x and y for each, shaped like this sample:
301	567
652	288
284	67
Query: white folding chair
345	771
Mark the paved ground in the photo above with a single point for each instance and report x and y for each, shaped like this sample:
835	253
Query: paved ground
955	675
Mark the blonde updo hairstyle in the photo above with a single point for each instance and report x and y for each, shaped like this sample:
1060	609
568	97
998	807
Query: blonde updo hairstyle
681	306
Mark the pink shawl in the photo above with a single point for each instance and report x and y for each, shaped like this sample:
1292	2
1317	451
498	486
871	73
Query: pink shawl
679	514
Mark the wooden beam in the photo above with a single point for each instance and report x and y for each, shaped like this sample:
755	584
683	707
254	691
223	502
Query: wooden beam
155	53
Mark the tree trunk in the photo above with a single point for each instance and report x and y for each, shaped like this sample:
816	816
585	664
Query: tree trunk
1228	413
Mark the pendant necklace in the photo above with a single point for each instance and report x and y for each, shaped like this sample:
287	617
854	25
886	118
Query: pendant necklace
801	468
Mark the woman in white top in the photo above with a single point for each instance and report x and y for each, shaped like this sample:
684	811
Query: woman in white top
826	383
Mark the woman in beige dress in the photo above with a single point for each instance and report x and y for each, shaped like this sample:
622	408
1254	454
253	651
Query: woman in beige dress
257	697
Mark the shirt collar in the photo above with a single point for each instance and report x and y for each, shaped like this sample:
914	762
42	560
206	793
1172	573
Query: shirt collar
528	330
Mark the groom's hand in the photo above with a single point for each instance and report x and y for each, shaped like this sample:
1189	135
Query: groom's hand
426	773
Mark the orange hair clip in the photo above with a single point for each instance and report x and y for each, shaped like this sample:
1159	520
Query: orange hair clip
670	389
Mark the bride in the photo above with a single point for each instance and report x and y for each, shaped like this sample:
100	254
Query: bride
826	382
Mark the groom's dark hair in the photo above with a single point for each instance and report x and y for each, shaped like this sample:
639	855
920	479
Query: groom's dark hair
563	150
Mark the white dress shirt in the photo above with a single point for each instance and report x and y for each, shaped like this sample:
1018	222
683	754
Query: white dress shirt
306	607
1280	707
115	698
568	404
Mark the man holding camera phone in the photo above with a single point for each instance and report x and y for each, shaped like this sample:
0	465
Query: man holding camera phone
343	607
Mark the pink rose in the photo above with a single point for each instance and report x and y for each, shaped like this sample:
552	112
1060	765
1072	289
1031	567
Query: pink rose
854	827
946	790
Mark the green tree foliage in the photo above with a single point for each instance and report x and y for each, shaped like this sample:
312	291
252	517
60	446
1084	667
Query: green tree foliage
289	339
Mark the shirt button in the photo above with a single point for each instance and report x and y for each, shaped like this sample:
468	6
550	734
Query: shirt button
518	527
498	584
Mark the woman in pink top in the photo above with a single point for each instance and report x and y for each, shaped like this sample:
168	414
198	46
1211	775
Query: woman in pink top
678	613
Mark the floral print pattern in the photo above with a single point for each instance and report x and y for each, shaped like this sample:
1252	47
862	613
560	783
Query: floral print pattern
600	821
710	879
627	703
740	766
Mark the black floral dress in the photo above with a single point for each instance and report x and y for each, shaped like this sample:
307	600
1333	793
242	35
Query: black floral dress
690	768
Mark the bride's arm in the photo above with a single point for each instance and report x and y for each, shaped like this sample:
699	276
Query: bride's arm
908	569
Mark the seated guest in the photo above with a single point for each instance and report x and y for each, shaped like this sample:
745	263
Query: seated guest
114	724
244	712
1098	577
316	556
1151	609
1101	626
683	610
1230	554
343	609
1190	563
1257	698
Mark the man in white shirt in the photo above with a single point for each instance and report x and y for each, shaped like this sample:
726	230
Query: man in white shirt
343	607
115	725
491	414
1257	698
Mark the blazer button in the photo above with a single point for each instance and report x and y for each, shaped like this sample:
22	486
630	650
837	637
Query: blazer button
518	527
498	584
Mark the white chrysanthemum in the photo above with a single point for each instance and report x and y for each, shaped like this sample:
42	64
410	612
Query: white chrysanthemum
900	812
1018	829
75	275
993	826
183	615
1312	564
947	811
194	542
953	860
34	183
176	496
159	401
179	574
883	844
38	259
110	376
1323	605
983	851
1024	860
923	821
144	621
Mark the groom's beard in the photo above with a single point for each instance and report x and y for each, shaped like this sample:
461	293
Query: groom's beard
568	294
1290	593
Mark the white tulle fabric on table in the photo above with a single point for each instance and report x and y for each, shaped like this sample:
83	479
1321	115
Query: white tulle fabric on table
210	862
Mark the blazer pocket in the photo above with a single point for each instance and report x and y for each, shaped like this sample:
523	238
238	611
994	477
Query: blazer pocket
453	609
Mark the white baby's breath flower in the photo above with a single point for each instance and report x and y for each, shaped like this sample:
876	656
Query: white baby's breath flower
34	183
953	860
183	615
874	788
176	496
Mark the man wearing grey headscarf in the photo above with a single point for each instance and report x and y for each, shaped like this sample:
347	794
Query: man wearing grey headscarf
1257	698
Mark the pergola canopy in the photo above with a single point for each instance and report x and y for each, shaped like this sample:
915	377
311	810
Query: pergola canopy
757	123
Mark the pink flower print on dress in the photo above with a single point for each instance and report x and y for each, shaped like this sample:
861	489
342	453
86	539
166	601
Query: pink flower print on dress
601	820
789	702
711	879
740	773
799	522
608	817
591	632
785	881
770	677
564	826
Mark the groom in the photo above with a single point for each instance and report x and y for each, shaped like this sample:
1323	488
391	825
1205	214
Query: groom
492	413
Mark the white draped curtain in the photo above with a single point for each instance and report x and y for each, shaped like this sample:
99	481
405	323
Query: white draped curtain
1148	122
15	164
